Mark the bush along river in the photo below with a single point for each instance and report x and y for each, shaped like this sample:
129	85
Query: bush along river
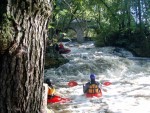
129	91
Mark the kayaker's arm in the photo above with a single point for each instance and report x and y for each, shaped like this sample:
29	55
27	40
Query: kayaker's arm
85	88
101	87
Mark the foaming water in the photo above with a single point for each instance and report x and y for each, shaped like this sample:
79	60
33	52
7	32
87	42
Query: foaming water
128	93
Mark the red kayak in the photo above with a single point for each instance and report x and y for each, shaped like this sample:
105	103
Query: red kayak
90	95
57	99
64	51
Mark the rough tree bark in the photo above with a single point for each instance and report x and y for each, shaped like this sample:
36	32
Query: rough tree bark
23	33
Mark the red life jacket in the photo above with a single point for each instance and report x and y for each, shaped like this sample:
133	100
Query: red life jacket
61	46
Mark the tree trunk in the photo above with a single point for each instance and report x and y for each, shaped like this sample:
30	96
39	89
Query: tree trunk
140	16
23	33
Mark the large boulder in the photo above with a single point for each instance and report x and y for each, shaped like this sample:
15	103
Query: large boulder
53	59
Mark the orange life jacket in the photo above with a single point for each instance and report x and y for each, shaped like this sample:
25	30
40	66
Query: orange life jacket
51	91
93	88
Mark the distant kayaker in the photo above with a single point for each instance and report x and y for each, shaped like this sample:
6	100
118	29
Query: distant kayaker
51	89
92	87
61	46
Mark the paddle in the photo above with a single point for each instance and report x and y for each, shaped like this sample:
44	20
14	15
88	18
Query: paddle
57	99
73	83
106	83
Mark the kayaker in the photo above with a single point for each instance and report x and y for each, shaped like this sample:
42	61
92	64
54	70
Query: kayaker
61	48
92	87
51	89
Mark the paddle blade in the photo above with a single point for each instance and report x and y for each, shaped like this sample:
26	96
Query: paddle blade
72	83
107	83
58	99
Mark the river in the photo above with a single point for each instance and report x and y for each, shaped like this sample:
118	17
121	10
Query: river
129	75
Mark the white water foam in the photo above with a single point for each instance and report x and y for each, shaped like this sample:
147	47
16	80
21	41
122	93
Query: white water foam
128	93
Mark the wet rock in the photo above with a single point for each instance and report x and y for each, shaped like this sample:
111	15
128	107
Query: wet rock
53	59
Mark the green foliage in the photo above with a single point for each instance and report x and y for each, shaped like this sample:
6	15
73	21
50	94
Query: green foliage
5	27
5	32
99	41
114	21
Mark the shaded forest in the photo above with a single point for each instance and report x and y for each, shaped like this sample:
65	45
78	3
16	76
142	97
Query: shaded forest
122	23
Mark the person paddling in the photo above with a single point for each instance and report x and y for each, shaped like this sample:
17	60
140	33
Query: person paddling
51	89
92	87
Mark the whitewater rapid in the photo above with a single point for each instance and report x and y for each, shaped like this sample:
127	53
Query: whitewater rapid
128	93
